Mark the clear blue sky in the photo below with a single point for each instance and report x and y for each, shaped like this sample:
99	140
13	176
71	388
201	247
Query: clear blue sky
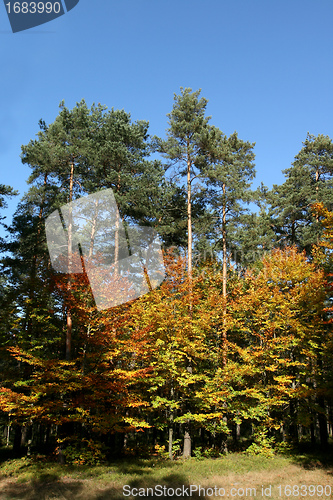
264	65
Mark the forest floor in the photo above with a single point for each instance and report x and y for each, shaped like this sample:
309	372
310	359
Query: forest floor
235	476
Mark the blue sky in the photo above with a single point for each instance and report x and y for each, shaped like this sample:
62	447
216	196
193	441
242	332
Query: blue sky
264	65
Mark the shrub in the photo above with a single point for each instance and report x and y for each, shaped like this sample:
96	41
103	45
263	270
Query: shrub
262	444
83	451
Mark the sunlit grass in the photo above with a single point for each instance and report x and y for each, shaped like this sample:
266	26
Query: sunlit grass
29	478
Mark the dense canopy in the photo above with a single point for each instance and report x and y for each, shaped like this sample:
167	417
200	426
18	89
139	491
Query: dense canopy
232	350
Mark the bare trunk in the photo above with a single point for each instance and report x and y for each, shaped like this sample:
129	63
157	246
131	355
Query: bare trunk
116	244
116	235
8	432
293	232
170	442
323	433
187	448
189	224
171	425
93	232
187	442
224	280
187	436
224	243
69	283
317	189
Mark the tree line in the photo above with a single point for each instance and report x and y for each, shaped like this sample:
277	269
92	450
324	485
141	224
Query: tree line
232	350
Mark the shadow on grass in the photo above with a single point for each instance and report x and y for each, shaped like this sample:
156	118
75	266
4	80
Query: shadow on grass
312	457
141	467
44	489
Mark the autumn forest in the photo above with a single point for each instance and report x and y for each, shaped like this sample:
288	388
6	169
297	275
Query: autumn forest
232	351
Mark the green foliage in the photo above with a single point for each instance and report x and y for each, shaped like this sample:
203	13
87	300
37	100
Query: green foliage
176	447
262	444
213	452
284	448
82	451
309	180
228	174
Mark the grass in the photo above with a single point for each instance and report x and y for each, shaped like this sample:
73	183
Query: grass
29	479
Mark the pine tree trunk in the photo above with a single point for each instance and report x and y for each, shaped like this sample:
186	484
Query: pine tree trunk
224	281
317	189
187	448
116	235
187	435
116	243
293	233
93	232
189	226
69	283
